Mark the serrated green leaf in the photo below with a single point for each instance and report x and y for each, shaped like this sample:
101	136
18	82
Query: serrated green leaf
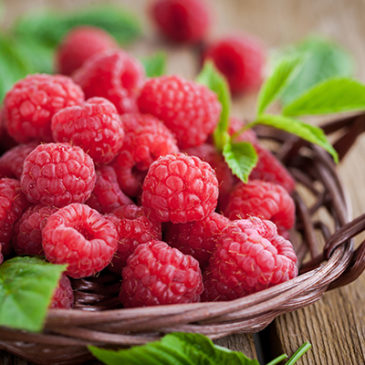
211	77
26	288
241	157
306	131
155	65
278	80
330	96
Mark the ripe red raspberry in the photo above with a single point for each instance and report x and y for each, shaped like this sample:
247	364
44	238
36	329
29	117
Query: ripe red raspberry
30	105
191	111
107	195
146	139
247	136
58	174
133	228
262	199
182	20
80	44
158	274
180	189
197	239
270	169
12	205
12	161
113	75
27	234
94	126
63	296
250	256
81	237
240	59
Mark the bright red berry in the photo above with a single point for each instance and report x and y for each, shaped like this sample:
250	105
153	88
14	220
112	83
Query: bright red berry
240	59
146	139
80	44
63	296
182	20
180	189
158	274
94	126
58	174
81	237
250	256
27	234
114	75
31	103
247	136
191	111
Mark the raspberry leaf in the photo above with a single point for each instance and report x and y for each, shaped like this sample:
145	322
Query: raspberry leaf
330	96
155	65
241	157
26	288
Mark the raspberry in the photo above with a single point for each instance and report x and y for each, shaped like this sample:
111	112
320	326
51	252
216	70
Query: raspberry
12	161
113	75
181	20
270	169
133	229
63	296
27	234
197	239
81	237
146	139
57	174
107	195
12	205
241	61
80	44
250	256
95	127
191	111
262	199
247	136
180	189
158	274
30	105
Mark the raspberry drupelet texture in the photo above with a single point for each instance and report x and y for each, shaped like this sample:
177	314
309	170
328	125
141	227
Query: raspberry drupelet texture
107	195
80	44
30	105
63	296
133	228
94	126
250	256
262	199
197	239
240	59
58	174
114	75
27	234
12	205
146	139
191	111
180	21
180	189
81	237
158	274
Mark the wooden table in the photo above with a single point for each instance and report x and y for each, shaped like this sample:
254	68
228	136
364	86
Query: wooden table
336	324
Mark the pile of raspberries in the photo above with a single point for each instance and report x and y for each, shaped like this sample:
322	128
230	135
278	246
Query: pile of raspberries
106	169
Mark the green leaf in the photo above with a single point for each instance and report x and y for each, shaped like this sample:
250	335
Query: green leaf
279	79
210	77
330	96
241	157
155	65
26	288
306	131
323	60
175	349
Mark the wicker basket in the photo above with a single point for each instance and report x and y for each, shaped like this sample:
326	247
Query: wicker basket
333	262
